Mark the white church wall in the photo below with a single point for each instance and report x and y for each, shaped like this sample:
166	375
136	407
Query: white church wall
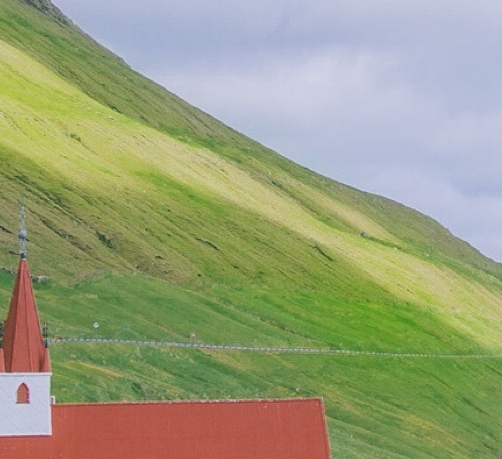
18	418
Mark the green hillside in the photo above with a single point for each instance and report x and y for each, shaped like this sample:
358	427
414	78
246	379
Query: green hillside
157	221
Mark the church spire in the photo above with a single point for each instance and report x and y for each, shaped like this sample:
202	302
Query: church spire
22	233
23	345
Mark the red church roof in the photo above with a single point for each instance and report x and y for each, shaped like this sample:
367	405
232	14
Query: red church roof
23	344
245	429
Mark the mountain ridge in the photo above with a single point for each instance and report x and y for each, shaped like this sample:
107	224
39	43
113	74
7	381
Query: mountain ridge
63	69
47	7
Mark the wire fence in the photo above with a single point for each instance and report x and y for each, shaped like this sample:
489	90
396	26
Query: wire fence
274	350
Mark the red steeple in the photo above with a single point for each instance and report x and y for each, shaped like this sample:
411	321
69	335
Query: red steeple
23	344
22	347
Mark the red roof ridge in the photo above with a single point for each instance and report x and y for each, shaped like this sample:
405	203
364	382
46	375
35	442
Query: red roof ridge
201	402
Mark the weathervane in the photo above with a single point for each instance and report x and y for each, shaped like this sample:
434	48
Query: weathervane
22	234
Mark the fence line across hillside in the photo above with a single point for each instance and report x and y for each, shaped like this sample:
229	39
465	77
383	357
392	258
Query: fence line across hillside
274	350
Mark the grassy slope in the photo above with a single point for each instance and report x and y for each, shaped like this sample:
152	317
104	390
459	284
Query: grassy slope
254	249
376	407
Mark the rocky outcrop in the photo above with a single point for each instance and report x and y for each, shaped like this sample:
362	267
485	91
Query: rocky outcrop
47	7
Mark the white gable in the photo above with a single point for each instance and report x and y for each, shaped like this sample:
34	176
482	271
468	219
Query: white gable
25	404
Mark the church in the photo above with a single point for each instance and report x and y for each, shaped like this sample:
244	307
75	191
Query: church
34	425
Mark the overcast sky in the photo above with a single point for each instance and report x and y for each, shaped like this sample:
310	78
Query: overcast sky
402	98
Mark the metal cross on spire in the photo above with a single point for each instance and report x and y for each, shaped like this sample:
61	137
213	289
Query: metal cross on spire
22	234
